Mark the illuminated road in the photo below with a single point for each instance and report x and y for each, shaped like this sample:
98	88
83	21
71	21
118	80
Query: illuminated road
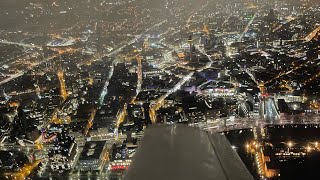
194	12
289	19
139	74
251	76
156	105
247	27
226	20
134	39
25	171
14	76
283	73
209	81
312	34
63	91
202	51
270	111
104	91
244	123
11	60
25	148
123	112
20	44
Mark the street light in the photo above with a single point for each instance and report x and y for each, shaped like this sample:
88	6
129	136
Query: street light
289	144
247	146
308	148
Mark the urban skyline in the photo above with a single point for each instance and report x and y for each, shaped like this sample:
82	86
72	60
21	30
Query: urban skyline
81	81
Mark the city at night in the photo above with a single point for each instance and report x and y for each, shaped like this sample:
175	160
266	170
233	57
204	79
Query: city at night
159	89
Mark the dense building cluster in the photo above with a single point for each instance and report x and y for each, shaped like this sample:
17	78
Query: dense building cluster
81	80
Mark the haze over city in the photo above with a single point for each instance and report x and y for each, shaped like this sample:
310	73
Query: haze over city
144	89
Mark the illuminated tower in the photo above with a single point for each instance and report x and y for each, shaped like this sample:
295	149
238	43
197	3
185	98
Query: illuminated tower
190	46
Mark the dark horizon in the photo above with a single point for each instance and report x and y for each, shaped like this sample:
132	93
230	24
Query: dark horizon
82	80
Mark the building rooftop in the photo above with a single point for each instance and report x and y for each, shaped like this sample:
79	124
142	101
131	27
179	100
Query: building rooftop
63	145
92	150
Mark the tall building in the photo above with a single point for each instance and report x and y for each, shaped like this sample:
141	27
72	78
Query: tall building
190	40
271	20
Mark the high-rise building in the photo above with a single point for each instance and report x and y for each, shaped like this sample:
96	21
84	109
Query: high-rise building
190	40
271	20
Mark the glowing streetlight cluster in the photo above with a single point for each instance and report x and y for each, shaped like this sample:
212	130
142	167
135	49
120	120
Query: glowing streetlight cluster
253	146
312	146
